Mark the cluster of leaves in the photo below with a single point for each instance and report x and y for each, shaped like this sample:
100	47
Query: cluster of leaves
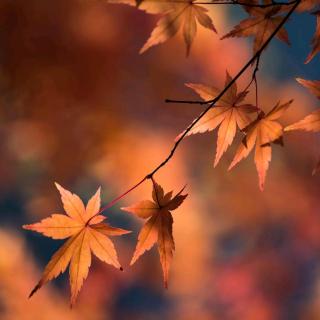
230	112
85	226
264	18
87	233
229	115
86	229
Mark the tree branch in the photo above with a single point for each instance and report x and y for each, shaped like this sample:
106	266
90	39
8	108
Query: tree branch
226	2
211	103
243	3
185	101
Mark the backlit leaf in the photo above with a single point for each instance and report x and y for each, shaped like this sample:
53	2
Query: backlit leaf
228	114
261	133
86	232
176	15
260	25
158	227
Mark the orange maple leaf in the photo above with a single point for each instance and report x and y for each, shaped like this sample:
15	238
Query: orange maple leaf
261	24
87	233
229	113
183	14
158	227
309	123
261	133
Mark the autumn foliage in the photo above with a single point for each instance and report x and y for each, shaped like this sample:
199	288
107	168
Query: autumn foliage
87	233
158	227
186	51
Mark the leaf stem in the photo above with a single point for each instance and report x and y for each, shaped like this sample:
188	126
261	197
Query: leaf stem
114	201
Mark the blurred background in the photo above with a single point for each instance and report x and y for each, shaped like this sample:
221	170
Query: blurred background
80	106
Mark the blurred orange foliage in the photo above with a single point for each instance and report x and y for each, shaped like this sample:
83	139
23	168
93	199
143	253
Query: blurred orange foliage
80	106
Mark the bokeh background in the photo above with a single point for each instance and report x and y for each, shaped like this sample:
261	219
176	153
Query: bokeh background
80	106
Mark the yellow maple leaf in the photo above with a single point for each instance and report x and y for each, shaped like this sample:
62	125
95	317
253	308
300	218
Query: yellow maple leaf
87	233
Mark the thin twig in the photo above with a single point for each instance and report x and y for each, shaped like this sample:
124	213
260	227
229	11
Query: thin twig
185	102
226	2
114	201
256	85
254	5
253	77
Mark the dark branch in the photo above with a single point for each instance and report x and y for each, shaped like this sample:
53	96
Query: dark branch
254	78
184	101
255	58
243	3
226	2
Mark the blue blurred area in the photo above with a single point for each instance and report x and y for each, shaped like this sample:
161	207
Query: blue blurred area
140	302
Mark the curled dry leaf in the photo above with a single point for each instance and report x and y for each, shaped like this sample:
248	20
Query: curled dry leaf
261	133
229	114
158	227
261	24
176	15
87	233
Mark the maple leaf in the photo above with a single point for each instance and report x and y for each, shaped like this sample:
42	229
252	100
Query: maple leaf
229	114
87	233
315	40
261	24
261	133
158	227
312	85
312	121
177	15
